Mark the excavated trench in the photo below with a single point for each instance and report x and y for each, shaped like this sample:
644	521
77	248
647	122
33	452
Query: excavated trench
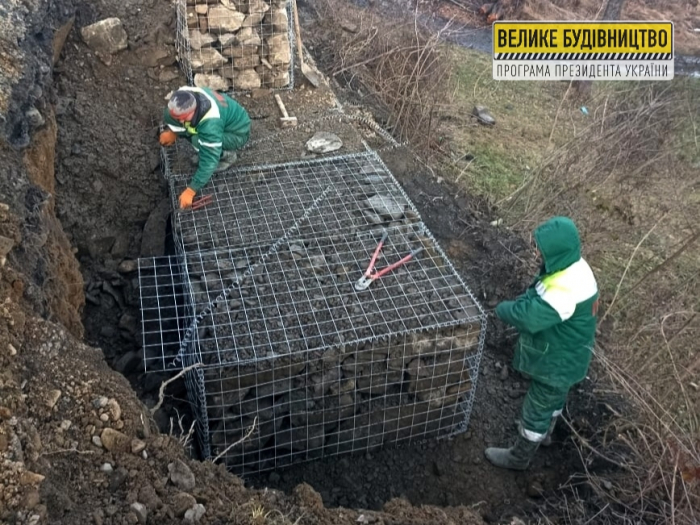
114	205
433	472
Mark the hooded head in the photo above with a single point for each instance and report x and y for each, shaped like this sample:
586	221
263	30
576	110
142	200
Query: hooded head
182	105
559	243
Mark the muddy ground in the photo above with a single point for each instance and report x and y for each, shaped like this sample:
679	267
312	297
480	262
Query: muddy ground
112	201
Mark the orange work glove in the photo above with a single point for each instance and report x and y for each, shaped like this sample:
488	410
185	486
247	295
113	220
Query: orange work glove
167	138
186	198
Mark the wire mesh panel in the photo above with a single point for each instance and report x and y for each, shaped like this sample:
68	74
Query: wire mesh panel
164	310
304	296
254	206
237	45
357	397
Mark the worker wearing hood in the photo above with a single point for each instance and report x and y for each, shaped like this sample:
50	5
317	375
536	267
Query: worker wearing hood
556	321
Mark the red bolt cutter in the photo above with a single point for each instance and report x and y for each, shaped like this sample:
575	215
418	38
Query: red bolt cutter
201	202
364	281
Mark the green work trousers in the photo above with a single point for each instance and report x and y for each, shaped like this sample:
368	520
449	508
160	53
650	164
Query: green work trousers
235	141
542	402
230	141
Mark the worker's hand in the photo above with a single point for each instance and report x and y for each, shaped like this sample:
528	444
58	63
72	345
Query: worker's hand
167	138
186	198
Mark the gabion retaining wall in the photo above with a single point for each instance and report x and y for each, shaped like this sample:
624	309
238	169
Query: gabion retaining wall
236	45
284	342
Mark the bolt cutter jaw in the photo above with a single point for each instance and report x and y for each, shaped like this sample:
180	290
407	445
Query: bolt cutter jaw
363	283
369	276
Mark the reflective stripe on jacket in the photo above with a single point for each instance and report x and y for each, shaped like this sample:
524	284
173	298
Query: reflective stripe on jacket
224	116
556	316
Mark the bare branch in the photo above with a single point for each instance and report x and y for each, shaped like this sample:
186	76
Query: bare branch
161	392
246	436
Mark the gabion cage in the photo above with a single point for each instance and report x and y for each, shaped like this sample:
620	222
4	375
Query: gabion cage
236	46
288	352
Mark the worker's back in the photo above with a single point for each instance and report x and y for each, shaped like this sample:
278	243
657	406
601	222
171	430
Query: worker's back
234	117
556	316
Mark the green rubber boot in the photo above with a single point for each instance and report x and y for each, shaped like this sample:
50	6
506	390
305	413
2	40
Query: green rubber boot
226	161
547	441
517	457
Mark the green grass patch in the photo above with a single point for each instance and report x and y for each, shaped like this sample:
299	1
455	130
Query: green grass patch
496	159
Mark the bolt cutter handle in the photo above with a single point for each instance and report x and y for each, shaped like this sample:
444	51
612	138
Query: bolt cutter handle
370	267
397	263
367	279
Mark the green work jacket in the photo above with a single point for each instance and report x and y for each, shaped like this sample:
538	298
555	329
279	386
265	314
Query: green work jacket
217	115
556	315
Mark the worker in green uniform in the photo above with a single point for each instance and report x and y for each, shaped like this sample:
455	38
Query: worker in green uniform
216	126
556	321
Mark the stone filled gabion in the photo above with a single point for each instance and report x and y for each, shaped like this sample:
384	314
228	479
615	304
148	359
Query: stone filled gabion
237	45
326	369
351	398
286	344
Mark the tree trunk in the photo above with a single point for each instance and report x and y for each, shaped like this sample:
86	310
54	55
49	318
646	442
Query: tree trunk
613	11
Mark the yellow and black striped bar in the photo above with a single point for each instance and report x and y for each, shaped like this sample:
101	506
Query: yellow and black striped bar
599	40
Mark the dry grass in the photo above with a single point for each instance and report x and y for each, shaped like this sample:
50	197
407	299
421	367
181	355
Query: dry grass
628	177
255	512
642	467
398	68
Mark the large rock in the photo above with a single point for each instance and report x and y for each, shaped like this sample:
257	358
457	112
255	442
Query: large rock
279	50
386	206
246	79
248	62
153	236
181	475
226	39
182	502
278	20
257	7
115	441
105	37
207	59
253	19
247	37
238	52
198	40
276	77
59	38
324	142
223	19
214	82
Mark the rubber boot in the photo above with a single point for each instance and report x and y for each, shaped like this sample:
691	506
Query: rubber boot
226	160
517	457
547	441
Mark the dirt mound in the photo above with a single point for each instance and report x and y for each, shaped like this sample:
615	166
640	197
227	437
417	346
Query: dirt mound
78	447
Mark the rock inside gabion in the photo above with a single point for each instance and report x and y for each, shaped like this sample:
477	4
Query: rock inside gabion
239	44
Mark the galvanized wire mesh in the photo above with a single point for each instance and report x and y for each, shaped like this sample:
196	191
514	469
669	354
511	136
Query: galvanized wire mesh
356	397
236	46
253	206
291	347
